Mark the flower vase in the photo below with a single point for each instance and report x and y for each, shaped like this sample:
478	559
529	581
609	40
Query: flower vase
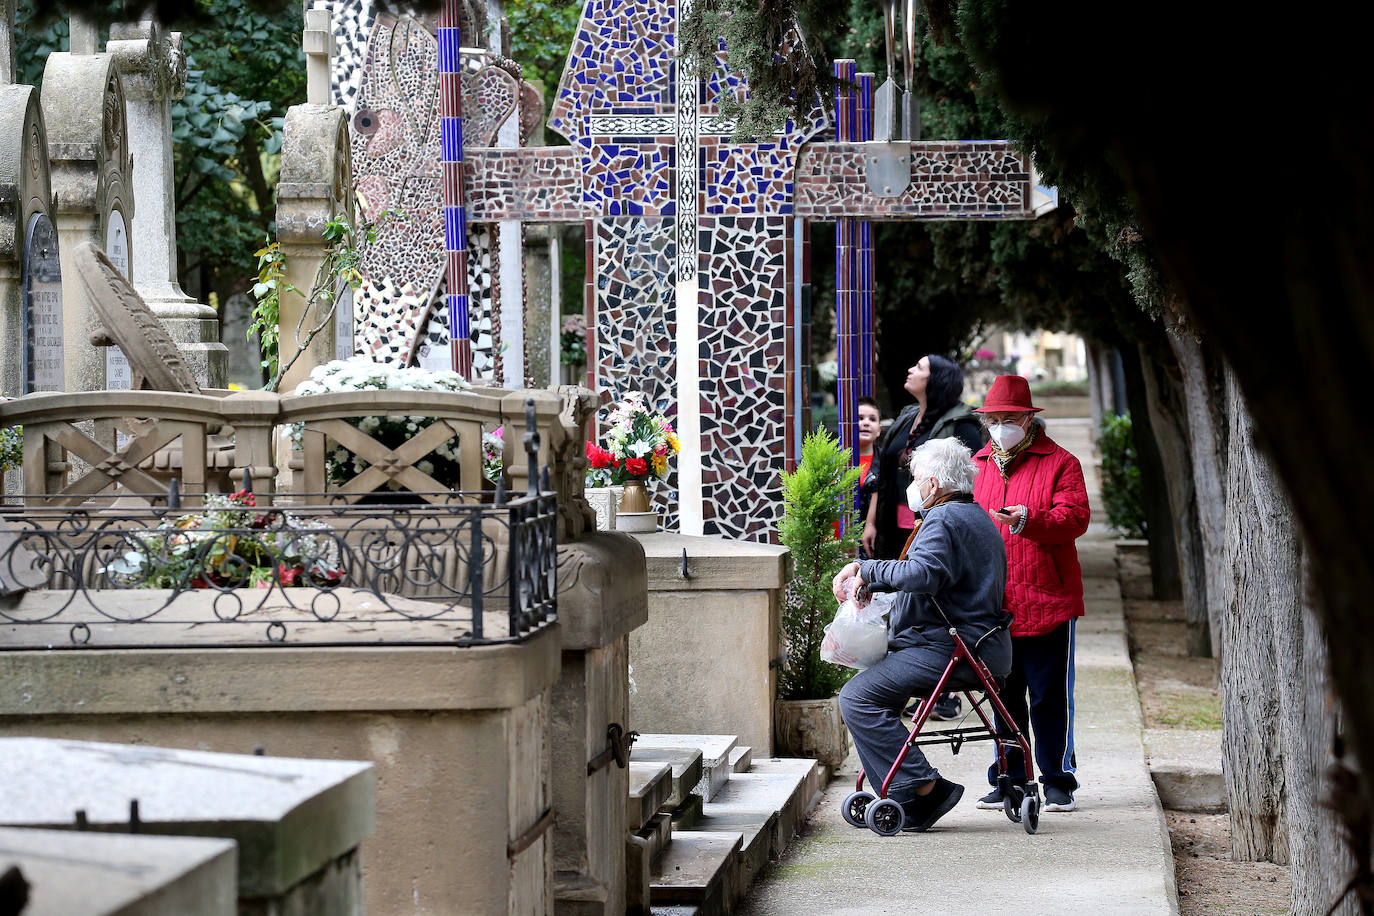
635	514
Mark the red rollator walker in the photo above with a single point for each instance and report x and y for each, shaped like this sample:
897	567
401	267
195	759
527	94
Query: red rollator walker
1021	803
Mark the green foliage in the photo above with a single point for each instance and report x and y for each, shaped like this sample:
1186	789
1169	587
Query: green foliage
1121	490
541	32
816	496
244	68
343	253
11	448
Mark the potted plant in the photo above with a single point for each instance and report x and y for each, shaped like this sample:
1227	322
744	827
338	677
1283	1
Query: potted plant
817	497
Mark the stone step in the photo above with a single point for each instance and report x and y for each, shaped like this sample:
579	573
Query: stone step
787	788
697	870
759	830
674	911
657	834
650	786
686	764
687	813
715	756
811	770
1185	765
741	759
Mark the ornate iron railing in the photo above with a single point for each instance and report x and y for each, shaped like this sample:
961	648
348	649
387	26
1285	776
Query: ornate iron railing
459	568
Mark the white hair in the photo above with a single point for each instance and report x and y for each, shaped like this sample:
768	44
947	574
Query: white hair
949	461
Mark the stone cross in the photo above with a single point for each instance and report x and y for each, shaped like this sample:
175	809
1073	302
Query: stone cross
152	66
697	245
317	41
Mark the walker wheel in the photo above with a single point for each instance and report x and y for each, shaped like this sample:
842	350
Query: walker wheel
1013	797
884	817
1030	814
855	804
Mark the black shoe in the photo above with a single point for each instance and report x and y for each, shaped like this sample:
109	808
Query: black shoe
947	706
1057	799
923	811
991	802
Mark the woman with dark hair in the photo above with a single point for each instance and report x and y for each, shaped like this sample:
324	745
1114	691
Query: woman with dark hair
937	384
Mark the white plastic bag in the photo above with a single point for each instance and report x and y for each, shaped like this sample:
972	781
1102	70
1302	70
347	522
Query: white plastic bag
857	637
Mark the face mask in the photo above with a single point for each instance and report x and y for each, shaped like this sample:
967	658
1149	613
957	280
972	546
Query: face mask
914	499
1006	435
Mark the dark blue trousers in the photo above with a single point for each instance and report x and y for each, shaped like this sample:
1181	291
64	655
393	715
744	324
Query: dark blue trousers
1042	671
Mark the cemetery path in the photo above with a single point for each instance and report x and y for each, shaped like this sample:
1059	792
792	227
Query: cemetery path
1112	855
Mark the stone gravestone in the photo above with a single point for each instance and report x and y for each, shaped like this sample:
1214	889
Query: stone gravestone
298	822
245	352
152	67
96	874
42	316
88	146
25	192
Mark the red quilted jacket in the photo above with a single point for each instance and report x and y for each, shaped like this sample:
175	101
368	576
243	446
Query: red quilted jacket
1044	580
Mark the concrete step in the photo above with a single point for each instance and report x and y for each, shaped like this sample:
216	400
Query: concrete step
741	759
1185	765
650	786
812	771
674	911
788	791
759	830
688	813
697	870
686	764
715	756
656	834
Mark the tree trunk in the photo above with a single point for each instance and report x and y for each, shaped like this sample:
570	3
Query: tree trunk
1164	397
1319	863
1262	558
1154	494
1204	392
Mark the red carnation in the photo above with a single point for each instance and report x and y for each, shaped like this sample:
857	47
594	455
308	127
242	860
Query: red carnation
637	466
597	456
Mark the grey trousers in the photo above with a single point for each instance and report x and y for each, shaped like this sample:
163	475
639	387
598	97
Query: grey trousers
872	704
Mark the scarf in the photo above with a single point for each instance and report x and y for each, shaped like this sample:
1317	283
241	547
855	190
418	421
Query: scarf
1004	460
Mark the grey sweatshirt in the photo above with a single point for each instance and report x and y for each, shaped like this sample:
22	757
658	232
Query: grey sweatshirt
959	559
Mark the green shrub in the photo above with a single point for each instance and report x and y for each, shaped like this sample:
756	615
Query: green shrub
1121	477
1060	389
816	496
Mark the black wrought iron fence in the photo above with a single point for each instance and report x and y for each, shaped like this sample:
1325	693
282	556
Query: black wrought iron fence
466	568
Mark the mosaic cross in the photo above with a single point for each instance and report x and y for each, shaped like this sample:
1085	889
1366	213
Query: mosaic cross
697	247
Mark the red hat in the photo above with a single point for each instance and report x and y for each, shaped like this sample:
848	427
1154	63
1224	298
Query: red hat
1009	393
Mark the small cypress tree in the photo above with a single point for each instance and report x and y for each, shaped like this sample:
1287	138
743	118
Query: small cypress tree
816	496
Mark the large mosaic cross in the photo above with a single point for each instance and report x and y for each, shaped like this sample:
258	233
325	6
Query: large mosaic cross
696	246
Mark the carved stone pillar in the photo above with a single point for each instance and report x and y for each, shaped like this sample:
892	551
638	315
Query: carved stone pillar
152	66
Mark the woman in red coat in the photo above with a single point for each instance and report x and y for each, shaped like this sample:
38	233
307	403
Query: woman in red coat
1033	488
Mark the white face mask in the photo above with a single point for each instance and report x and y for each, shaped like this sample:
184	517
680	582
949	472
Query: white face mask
914	499
1006	435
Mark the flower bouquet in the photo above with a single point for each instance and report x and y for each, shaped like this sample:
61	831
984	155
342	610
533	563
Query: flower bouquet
640	444
229	544
362	374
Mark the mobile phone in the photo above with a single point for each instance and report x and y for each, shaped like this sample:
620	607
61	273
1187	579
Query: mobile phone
1005	510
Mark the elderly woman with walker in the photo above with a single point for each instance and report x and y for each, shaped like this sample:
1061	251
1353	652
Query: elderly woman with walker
953	574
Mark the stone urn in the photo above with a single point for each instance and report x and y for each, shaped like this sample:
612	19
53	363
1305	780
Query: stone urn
810	728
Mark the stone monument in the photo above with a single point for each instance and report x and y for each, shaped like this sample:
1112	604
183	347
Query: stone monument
316	187
88	148
28	246
152	67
